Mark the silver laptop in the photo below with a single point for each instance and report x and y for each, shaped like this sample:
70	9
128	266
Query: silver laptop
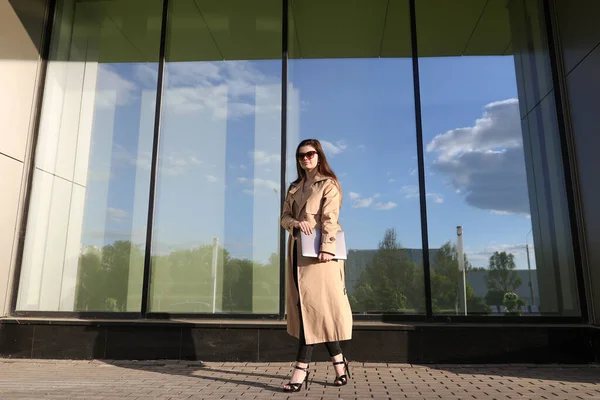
312	243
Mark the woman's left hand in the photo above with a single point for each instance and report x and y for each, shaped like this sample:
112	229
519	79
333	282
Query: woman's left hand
324	257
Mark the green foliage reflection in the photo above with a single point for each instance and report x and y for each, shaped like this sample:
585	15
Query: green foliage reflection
391	282
181	281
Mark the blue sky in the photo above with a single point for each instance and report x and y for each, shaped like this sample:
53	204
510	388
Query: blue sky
220	143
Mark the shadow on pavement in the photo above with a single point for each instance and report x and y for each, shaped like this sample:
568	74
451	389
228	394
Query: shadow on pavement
572	373
213	372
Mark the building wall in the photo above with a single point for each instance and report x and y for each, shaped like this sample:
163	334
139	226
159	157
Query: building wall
579	34
21	36
555	261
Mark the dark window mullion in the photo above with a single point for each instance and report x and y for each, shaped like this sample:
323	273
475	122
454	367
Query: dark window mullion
421	162
154	165
283	188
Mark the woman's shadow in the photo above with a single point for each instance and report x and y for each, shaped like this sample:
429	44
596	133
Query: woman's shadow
201	353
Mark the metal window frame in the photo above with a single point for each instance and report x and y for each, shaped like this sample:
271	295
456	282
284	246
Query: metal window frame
145	314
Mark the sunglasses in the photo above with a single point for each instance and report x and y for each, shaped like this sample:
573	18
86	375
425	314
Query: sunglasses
308	154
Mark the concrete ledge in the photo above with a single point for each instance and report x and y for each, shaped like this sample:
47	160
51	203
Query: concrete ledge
271	323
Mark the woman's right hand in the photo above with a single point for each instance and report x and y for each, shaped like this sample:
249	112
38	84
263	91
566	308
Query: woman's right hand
304	226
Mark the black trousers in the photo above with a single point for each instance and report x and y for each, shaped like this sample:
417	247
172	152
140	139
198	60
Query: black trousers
305	350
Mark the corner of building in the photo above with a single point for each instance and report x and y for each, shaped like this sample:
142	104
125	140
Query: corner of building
22	26
579	40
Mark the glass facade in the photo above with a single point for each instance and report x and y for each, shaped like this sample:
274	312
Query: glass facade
89	203
355	94
215	243
448	155
481	145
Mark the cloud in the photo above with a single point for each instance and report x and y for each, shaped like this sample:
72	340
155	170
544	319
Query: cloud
116	214
113	89
359	202
211	178
498	128
233	166
225	89
266	185
187	74
333	149
412	192
493	181
485	162
146	75
436	197
172	164
362	203
263	158
385	206
120	153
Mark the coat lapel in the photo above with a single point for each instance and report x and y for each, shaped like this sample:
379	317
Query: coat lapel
297	194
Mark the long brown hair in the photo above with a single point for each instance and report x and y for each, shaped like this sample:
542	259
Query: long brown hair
323	167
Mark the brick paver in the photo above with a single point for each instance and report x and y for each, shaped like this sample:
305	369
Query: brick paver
130	380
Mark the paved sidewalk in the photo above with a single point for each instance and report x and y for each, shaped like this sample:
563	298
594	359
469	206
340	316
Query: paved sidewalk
51	379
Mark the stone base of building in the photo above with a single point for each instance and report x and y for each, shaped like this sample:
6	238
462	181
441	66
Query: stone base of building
249	341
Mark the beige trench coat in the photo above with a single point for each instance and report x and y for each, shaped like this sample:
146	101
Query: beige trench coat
326	312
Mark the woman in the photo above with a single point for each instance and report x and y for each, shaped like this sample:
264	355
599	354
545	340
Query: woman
318	310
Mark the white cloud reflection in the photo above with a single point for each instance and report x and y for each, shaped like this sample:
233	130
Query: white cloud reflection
485	162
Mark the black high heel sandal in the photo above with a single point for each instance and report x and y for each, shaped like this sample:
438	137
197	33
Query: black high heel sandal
343	379
296	387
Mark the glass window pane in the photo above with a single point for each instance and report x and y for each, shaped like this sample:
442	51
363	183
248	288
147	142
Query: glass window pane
216	233
86	228
495	163
351	86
